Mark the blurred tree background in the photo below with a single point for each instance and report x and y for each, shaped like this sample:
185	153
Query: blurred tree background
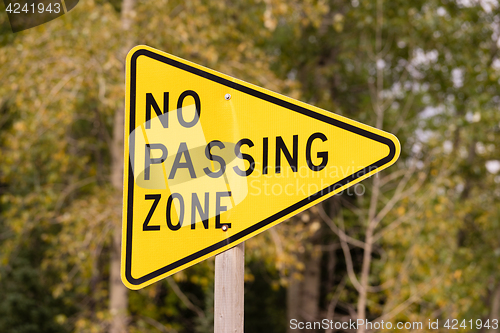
419	241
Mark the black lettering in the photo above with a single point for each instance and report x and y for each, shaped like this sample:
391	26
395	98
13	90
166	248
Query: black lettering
219	209
151	102
169	211
148	160
249	158
196	206
183	150
197	103
265	156
146	226
281	147
323	155
215	158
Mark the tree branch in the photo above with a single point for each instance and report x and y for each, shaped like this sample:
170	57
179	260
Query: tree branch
184	298
336	230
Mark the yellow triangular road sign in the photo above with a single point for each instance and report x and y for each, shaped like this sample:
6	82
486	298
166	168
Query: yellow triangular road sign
211	161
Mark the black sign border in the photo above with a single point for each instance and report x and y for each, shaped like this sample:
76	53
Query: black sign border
258	225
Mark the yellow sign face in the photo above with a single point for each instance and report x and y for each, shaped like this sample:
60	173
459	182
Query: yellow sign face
211	161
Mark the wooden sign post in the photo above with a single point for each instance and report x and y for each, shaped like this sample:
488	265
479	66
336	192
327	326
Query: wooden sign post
229	290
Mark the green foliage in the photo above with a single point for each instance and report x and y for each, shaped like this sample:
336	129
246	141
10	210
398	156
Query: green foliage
440	98
27	305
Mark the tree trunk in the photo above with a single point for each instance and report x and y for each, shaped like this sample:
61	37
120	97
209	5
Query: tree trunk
293	303
372	212
303	295
311	287
118	298
118	293
495	308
